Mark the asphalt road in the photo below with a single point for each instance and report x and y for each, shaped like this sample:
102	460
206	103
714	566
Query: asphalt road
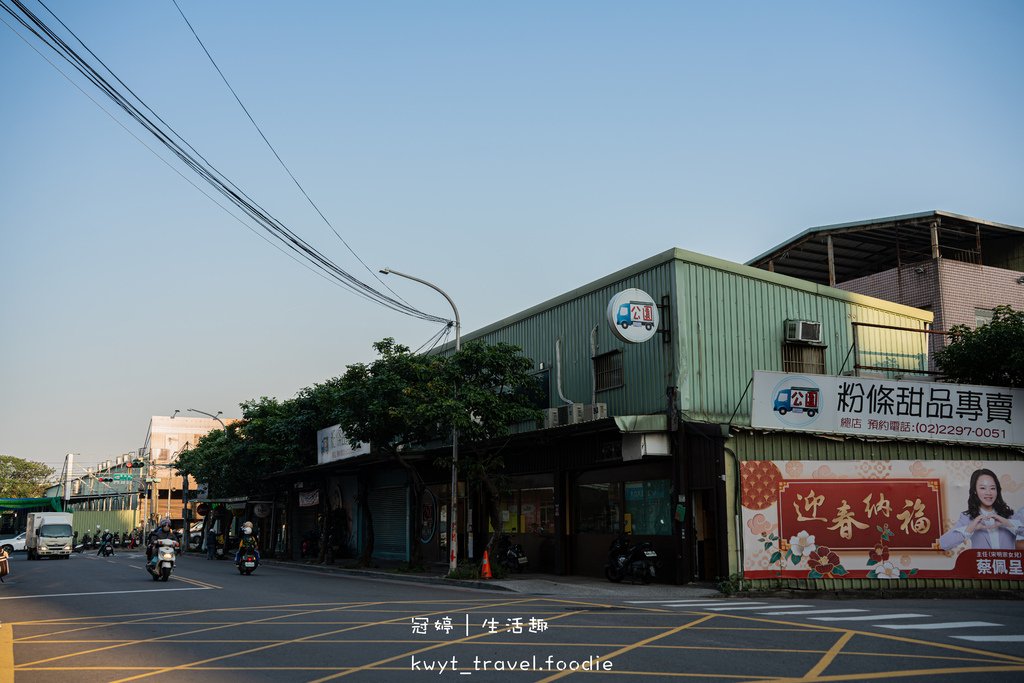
104	619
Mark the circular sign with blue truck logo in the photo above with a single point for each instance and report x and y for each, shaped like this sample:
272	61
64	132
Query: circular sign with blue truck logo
633	316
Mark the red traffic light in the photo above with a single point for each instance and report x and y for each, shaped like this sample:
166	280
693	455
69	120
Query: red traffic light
106	479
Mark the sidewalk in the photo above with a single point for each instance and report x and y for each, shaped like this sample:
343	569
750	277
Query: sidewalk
527	583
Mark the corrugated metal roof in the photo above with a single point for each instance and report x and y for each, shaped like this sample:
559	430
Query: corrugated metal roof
676	255
866	247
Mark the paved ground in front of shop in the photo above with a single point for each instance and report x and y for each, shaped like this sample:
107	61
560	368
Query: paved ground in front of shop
529	583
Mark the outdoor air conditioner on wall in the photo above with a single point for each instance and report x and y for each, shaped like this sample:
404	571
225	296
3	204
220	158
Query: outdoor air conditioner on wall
550	418
805	331
595	411
570	414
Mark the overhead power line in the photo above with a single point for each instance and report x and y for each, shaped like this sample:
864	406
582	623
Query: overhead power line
146	117
276	155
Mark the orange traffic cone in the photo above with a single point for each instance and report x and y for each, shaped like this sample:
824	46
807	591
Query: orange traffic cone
485	568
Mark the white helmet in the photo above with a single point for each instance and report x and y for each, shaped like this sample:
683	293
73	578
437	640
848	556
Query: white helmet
106	531
247	528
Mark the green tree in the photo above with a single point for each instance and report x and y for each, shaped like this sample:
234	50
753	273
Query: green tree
491	389
991	354
23	478
386	404
272	436
403	402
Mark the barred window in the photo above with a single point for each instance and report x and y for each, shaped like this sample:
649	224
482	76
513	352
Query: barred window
608	370
803	358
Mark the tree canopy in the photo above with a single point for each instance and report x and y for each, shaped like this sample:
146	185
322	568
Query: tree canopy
400	403
272	436
404	401
23	478
992	354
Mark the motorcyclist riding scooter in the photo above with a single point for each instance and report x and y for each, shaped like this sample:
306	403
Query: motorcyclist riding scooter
161	548
247	558
106	544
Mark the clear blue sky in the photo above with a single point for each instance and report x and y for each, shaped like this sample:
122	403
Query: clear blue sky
507	152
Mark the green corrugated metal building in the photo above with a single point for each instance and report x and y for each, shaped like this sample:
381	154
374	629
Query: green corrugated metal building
647	437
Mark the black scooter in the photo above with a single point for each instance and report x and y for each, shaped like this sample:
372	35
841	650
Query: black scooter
635	561
106	547
510	555
247	562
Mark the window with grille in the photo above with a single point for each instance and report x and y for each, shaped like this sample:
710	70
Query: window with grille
982	316
803	358
608	370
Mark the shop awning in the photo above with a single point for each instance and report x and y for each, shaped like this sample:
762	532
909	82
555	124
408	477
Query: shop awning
27	503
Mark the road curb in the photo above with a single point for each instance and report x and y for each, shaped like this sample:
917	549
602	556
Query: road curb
394	576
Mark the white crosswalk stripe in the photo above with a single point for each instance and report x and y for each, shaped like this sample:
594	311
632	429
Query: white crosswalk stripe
682	603
716	603
947	624
993	639
737	608
811	611
873	617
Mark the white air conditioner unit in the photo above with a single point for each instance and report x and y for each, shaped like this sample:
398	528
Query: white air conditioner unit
595	411
805	331
570	414
550	418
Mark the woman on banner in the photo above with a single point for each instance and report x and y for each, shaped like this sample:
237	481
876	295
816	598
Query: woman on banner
988	522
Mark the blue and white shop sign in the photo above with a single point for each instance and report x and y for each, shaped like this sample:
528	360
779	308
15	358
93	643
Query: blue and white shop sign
633	316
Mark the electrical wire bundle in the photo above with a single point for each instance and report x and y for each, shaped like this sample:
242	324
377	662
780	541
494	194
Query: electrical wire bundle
273	230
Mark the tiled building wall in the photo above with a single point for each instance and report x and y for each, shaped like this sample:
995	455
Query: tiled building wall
966	287
952	290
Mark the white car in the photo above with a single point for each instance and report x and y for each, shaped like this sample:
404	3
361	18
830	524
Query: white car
9	545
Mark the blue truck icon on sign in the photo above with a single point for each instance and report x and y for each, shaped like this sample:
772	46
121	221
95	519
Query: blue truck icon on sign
797	400
635	313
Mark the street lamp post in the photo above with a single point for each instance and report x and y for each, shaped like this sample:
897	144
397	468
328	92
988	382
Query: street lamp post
187	531
453	543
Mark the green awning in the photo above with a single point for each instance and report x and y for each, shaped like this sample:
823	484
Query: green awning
26	503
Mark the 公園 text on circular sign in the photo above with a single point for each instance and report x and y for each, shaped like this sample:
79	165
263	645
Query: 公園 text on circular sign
633	316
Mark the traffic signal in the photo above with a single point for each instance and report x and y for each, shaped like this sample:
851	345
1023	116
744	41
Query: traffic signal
106	478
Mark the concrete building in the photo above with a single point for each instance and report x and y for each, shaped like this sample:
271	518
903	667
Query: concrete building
958	267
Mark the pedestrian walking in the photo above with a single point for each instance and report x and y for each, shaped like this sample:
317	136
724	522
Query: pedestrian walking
211	544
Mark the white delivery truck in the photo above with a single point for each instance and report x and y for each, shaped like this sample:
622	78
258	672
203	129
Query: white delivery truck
48	534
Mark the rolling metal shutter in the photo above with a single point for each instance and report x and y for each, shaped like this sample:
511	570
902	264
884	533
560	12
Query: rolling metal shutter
389	506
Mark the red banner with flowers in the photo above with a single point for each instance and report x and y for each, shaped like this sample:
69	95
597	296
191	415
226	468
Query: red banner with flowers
849	514
883	519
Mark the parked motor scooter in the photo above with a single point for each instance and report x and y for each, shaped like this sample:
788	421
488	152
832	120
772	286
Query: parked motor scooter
247	562
117	539
635	561
86	542
162	563
510	555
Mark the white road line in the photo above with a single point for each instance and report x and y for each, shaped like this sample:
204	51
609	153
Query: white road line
948	624
717	603
699	601
66	595
873	617
812	611
737	608
992	639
